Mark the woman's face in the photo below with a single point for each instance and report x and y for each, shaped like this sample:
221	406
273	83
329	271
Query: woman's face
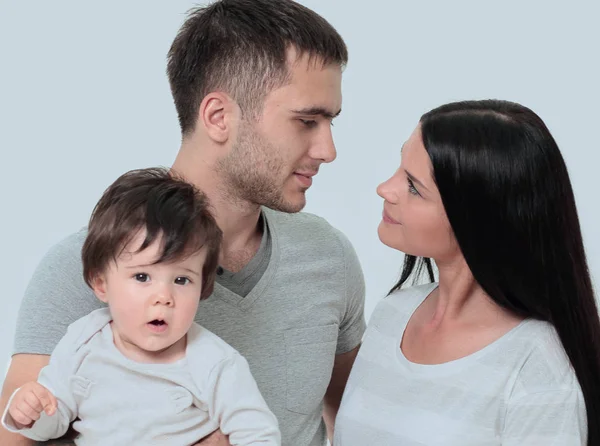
414	220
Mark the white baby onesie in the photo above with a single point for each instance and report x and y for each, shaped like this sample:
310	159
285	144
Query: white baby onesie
118	401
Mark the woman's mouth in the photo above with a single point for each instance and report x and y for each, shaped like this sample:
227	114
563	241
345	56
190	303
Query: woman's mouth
388	219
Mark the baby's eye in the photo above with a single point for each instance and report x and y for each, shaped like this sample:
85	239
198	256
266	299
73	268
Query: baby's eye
182	281
142	277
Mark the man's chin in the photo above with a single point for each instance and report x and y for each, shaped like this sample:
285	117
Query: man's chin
289	206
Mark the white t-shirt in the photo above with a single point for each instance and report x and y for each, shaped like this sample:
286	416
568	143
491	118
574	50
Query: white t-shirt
518	391
122	402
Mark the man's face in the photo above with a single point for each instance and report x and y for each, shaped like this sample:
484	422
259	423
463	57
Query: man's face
276	155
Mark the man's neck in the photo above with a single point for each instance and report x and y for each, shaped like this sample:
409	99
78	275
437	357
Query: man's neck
238	219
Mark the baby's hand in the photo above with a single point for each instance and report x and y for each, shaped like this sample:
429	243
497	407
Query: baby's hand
29	402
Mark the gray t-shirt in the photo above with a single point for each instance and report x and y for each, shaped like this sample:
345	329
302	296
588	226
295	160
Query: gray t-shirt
306	308
242	281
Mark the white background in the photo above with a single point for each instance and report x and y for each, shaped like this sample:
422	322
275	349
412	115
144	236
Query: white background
84	97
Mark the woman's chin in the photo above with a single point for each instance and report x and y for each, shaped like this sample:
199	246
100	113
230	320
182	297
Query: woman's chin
388	239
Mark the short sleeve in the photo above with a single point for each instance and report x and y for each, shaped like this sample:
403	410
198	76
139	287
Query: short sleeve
352	327
551	418
56	296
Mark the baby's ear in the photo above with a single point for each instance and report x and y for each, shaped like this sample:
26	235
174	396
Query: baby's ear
99	286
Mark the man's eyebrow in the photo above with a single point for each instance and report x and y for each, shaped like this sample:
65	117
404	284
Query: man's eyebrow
315	111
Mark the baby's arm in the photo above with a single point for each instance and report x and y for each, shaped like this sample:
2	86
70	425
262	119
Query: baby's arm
26	404
33	411
239	407
44	409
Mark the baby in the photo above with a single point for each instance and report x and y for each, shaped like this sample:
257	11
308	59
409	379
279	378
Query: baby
141	371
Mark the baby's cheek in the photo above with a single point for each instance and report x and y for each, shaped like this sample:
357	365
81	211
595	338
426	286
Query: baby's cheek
187	311
128	312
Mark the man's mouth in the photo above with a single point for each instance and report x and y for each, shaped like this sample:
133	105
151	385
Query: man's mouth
307	174
305	178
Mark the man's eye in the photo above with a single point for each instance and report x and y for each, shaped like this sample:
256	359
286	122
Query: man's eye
309	122
142	277
182	281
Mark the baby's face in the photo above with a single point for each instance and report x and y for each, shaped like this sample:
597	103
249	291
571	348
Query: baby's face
152	305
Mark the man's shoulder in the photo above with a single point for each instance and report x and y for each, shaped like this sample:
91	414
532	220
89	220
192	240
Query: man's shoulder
67	248
61	267
56	296
307	228
291	221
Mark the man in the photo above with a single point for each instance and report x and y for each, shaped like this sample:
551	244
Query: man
256	84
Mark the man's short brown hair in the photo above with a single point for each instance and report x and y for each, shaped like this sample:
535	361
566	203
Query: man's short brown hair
170	210
240	47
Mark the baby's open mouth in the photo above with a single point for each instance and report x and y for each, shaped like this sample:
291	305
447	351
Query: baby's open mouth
157	322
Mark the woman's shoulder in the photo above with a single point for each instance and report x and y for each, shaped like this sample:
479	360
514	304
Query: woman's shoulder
399	305
545	366
406	299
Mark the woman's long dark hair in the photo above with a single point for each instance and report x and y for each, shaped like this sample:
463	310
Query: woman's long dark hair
509	200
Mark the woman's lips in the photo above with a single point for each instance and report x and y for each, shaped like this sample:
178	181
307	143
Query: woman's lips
388	219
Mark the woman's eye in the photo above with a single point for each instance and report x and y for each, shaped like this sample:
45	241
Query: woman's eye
182	281
411	188
142	277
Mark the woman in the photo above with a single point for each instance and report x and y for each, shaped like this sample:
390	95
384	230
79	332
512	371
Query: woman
505	348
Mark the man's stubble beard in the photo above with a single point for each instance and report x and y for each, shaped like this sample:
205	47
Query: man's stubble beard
252	173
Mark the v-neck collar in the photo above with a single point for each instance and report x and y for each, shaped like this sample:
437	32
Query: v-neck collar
220	292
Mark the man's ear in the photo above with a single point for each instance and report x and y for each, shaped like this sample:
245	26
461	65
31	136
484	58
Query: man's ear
99	286
218	114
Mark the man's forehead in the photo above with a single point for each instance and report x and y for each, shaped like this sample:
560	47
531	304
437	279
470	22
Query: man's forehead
312	91
306	63
296	57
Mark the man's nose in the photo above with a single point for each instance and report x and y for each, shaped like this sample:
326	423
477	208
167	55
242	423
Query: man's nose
324	148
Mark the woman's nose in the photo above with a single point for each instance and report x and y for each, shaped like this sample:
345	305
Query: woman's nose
388	191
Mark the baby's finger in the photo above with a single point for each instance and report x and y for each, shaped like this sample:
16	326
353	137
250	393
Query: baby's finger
47	400
33	401
20	417
50	408
29	411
